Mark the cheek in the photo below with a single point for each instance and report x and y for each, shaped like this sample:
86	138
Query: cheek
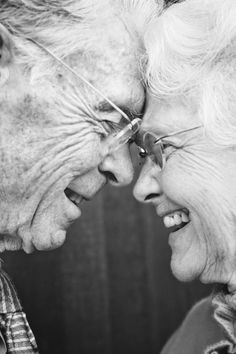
50	136
199	185
83	153
190	180
180	181
207	191
42	158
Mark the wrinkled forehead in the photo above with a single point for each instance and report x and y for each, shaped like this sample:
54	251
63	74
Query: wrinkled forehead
112	64
168	114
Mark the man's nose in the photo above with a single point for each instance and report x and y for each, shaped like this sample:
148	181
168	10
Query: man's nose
118	167
148	187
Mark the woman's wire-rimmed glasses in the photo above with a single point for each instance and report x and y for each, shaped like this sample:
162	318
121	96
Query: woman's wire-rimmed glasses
127	130
153	147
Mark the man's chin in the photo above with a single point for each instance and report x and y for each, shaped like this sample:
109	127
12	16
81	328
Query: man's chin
45	242
49	226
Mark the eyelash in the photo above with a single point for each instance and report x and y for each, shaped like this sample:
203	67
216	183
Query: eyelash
168	146
110	127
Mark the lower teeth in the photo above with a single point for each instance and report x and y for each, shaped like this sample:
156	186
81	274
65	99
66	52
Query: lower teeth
178	227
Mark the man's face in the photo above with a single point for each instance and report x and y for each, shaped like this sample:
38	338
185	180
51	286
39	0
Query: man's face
195	193
53	152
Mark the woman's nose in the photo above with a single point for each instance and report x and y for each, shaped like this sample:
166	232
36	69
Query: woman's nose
118	167
148	186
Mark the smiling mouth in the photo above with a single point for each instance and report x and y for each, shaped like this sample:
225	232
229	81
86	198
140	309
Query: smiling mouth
73	196
176	220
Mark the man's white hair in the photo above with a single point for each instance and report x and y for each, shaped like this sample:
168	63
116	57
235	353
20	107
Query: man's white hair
67	26
192	52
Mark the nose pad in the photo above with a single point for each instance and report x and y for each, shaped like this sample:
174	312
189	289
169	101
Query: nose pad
118	167
148	185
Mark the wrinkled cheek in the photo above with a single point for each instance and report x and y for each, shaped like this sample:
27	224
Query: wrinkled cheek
208	223
86	154
182	182
175	183
188	188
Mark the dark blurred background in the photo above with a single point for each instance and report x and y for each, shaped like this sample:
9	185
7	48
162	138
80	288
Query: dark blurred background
109	288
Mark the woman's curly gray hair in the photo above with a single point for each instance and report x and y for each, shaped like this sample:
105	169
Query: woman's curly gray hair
192	52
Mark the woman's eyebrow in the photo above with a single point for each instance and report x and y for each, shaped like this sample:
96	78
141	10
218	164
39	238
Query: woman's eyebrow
177	132
158	131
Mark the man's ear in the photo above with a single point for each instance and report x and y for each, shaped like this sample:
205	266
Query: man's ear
6	47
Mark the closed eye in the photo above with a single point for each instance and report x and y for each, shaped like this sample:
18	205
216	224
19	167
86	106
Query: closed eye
167	145
171	142
110	126
168	149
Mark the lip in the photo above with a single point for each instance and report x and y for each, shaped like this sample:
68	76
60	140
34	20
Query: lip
162	211
73	200
73	210
73	196
88	196
178	236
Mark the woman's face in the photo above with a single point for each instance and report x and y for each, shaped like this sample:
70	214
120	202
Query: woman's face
195	193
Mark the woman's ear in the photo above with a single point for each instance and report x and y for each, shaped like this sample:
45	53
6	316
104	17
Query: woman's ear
6	47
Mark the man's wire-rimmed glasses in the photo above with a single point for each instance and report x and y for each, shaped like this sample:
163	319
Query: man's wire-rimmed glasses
148	143
153	146
127	130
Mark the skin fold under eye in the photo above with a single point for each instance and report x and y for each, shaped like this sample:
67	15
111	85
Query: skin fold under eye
168	149
111	127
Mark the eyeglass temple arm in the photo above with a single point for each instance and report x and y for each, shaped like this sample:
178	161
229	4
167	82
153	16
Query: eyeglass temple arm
143	152
81	77
178	132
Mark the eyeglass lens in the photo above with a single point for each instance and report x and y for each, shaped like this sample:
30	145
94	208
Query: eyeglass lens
152	146
126	134
154	149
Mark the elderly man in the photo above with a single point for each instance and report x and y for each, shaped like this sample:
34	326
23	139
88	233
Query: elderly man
70	82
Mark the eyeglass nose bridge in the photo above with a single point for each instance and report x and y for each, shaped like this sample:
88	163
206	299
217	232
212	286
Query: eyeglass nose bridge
142	152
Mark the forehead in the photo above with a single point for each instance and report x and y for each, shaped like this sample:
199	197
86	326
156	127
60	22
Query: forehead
112	64
164	116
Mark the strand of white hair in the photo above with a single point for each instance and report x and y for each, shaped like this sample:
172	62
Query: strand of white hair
192	51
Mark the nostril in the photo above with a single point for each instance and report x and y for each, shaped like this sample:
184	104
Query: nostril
151	196
110	176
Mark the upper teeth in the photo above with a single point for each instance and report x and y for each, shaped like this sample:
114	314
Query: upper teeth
175	218
75	198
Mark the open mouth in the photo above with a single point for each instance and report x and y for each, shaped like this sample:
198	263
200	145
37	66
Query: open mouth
176	220
73	196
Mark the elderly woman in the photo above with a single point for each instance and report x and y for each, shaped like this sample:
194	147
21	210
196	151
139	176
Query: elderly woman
189	175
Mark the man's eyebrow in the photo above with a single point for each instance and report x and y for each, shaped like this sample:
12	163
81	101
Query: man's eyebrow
104	106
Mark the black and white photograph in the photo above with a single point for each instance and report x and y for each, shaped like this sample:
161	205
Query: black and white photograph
117	176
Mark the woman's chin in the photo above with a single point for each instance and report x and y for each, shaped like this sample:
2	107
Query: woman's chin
184	270
183	275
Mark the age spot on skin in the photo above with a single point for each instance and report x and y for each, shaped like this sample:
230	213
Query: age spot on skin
30	113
